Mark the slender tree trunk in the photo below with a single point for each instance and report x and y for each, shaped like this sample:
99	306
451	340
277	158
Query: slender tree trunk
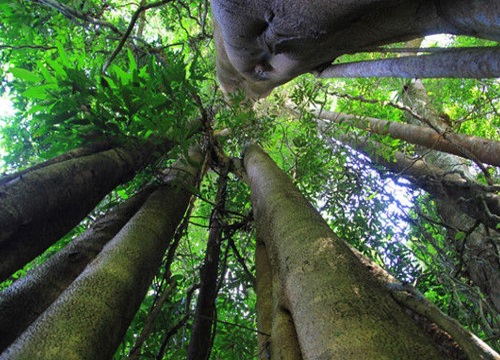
30	296
339	310
39	207
201	333
91	316
478	252
484	150
467	196
470	63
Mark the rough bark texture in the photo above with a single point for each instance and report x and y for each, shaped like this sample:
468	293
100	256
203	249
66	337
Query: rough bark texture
38	208
484	150
30	296
90	317
201	333
338	309
268	43
462	344
470	63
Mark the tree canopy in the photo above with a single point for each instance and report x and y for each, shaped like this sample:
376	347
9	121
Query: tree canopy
403	170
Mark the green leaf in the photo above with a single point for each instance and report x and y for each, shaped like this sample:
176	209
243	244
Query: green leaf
39	92
132	63
25	75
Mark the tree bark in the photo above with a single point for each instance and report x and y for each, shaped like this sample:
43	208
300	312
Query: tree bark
264	292
30	296
484	150
277	338
91	316
72	154
268	43
456	63
338	309
39	207
201	333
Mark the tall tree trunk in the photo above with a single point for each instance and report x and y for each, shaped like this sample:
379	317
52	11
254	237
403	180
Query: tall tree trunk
91	316
277	334
478	250
30	296
264	292
201	333
338	309
39	207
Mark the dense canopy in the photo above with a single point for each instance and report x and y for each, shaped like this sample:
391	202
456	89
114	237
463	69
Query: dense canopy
133	194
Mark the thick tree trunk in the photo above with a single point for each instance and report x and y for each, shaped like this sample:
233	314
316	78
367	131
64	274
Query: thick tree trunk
90	317
470	63
39	207
338	309
201	333
264	292
277	337
484	150
72	154
268	43
30	296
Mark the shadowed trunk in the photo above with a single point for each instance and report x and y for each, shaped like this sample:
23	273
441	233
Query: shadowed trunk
30	296
91	316
339	310
39	207
201	333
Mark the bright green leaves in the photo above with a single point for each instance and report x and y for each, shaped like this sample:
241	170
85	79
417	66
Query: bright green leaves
25	75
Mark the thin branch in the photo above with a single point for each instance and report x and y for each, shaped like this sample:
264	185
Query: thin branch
131	25
75	15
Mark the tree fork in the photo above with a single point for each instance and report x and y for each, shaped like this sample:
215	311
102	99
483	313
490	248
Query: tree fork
39	207
30	296
339	310
91	316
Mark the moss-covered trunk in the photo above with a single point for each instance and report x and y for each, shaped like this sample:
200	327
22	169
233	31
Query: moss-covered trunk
338	308
91	316
30	296
40	206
